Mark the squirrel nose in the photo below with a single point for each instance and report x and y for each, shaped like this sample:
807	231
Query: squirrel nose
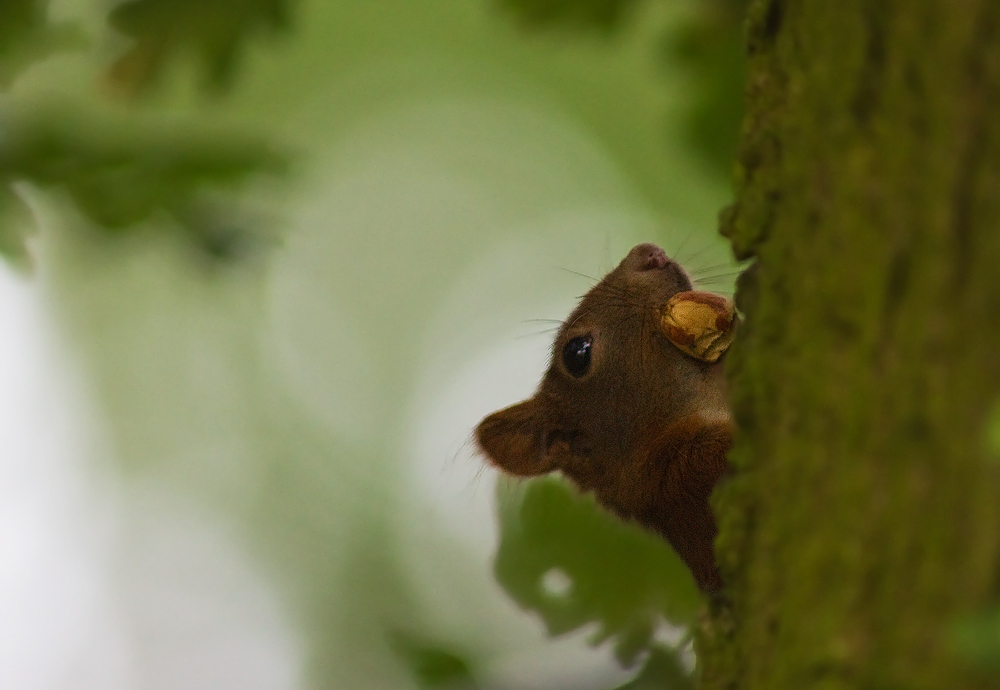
650	257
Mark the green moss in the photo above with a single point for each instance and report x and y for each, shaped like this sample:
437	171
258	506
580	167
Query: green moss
862	514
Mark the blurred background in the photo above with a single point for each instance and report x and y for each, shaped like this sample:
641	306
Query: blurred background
266	265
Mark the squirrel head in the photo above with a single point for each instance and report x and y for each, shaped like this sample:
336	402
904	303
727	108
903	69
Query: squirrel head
613	387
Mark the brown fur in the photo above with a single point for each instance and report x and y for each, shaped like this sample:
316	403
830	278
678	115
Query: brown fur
646	428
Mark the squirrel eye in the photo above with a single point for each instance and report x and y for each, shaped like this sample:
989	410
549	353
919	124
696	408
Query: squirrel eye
576	355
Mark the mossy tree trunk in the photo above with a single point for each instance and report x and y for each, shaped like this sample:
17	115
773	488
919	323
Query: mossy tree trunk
864	515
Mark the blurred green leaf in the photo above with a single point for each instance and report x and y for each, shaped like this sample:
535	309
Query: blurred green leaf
26	36
222	232
976	638
710	47
432	666
591	14
15	223
662	671
214	30
120	175
564	557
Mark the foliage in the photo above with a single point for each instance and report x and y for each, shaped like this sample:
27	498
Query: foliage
662	671
26	36
214	31
709	45
432	665
121	170
118	179
565	558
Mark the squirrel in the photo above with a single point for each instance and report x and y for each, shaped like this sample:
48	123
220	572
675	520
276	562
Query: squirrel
625	414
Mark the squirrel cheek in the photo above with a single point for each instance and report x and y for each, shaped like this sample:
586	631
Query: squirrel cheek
700	324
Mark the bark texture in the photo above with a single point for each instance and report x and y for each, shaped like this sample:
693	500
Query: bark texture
864	514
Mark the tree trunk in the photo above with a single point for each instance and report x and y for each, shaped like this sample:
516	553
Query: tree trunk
863	517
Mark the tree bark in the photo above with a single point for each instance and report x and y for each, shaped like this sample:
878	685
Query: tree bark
863	517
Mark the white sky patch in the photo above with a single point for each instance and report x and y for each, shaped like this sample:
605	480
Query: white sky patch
57	625
103	587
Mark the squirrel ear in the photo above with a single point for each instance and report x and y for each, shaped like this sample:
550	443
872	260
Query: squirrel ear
514	439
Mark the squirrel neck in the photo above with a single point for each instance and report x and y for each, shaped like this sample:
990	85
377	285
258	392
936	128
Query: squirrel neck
685	462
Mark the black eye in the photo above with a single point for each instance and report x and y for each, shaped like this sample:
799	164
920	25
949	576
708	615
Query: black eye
576	355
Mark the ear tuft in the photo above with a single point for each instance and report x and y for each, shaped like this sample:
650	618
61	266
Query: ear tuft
514	439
